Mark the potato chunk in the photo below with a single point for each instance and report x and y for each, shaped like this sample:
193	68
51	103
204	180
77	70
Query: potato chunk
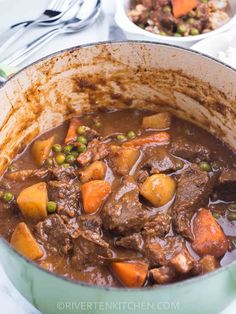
32	201
95	171
157	121
158	189
24	242
41	149
123	158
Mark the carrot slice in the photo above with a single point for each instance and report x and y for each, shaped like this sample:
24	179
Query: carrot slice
131	275
72	130
156	138
94	193
182	7
209	237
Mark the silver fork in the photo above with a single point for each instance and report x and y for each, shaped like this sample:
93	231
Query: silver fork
86	15
51	16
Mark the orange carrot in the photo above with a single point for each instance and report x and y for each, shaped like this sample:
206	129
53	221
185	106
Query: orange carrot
182	7
209	237
72	130
156	138
94	194
131	275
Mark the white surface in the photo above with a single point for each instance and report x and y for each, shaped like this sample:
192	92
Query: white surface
219	43
11	11
134	32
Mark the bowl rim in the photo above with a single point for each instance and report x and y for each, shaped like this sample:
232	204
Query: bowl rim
75	282
135	29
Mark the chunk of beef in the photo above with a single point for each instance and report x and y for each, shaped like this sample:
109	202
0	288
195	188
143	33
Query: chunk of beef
66	194
96	150
227	176
183	262
134	242
205	265
158	160
190	151
89	248
53	234
63	173
123	213
193	191
163	275
160	252
86	222
141	176
226	187
159	226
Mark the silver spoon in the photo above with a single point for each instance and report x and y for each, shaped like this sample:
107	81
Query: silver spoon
86	15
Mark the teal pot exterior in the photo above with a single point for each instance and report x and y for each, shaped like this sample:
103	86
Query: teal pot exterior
141	75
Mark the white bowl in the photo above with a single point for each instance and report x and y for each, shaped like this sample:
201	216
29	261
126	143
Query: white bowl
137	33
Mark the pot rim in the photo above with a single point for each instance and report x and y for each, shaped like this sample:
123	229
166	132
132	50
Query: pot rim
85	284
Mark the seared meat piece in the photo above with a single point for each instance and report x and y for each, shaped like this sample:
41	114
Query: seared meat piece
159	226
193	191
190	151
160	252
53	234
66	194
96	150
63	173
89	248
158	160
227	185
123	213
227	176
86	222
163	275
134	242
183	262
205	265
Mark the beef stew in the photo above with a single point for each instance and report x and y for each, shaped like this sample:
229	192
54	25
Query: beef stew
122	198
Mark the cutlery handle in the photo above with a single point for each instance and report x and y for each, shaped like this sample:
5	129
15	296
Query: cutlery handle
17	34
21	55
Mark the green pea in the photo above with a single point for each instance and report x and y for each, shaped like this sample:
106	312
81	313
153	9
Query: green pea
82	148
131	134
166	9
8	197
12	168
70	159
67	149
177	35
121	137
163	33
205	166
81	129
74	153
82	139
60	158
57	148
191	20
49	162
231	216
65	165
194	31
181	29
216	215
232	207
51	207
179	165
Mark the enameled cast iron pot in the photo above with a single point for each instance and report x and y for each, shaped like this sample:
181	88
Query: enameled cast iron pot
119	75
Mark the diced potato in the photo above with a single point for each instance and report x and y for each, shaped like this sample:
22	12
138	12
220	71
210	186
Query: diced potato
41	149
95	171
209	238
32	201
24	242
131	275
123	158
158	189
157	121
183	262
